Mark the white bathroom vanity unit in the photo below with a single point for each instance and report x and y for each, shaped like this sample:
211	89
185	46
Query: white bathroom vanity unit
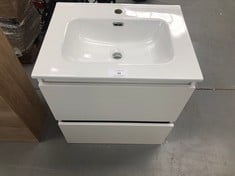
117	73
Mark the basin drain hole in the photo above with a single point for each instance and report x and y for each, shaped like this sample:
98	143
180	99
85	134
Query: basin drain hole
117	55
118	11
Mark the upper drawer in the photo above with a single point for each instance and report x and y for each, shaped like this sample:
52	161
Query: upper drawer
116	102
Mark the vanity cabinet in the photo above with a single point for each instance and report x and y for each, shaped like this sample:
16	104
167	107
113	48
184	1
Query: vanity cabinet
117	77
115	112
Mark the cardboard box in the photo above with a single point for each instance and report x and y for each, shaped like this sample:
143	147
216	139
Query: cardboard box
13	9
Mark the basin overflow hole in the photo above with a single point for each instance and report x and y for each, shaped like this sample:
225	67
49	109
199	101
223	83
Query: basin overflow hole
118	24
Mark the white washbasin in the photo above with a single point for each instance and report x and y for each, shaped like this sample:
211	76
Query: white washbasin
91	43
118	41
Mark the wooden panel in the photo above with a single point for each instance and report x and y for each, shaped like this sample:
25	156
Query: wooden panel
116	102
125	133
17	90
8	118
16	134
11	126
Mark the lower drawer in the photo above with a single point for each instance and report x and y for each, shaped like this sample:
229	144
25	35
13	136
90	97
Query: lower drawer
123	133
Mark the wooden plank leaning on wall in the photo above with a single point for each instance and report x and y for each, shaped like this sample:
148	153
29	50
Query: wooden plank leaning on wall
19	99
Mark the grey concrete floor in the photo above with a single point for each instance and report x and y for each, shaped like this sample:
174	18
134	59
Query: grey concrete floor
203	140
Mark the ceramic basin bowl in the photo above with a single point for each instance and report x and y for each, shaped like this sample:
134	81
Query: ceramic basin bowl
90	42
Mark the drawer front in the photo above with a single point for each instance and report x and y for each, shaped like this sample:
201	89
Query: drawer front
116	102
123	133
